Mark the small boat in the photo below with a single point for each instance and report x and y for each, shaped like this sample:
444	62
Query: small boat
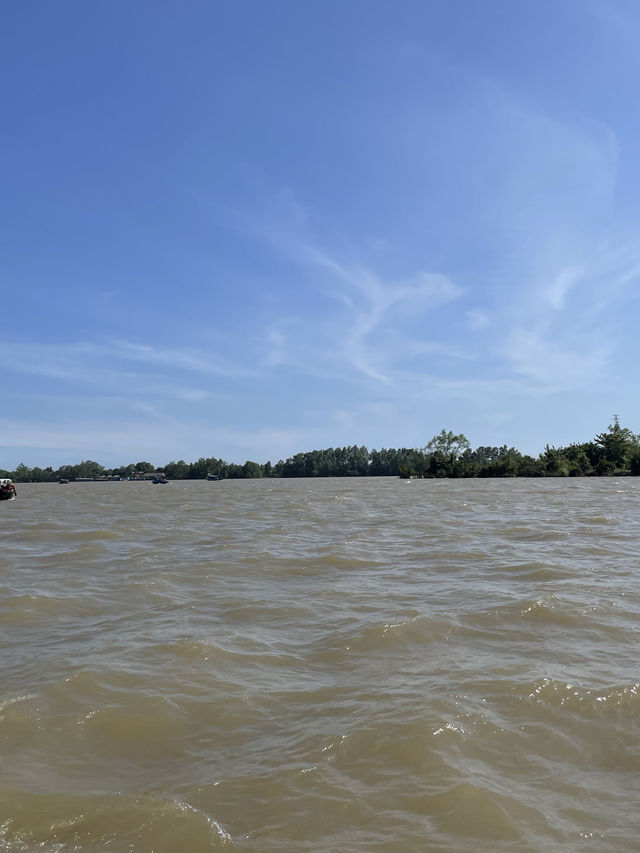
161	481
213	476
7	490
63	481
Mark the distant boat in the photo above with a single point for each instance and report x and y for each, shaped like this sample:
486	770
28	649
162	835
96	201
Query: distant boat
213	476
160	481
7	490
63	481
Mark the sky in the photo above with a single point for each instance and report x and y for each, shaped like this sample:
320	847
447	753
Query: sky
249	229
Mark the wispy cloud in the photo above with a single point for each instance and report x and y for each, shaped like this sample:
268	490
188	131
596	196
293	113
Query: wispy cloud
535	192
556	365
369	343
560	286
477	319
108	364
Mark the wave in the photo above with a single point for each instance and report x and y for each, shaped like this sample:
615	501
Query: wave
564	694
411	632
121	823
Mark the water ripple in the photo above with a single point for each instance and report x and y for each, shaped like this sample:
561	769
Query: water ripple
320	665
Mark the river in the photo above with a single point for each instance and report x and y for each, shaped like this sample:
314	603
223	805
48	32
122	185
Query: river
329	665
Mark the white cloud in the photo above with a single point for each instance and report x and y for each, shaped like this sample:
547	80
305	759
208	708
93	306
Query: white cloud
556	365
556	292
378	305
112	364
477	319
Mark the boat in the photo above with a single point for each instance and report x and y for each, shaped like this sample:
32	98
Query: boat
213	476
7	490
63	481
162	481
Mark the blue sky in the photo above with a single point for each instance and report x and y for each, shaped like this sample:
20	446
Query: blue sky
248	229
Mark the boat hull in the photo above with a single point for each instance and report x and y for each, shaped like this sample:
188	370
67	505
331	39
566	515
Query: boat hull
7	490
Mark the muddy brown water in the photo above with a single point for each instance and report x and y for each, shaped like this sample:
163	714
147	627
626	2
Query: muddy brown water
358	665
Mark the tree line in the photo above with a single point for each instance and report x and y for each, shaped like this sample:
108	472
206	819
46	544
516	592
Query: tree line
613	452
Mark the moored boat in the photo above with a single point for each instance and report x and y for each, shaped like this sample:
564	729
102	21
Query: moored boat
7	490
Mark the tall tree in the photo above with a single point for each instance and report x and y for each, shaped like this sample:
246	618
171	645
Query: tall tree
616	444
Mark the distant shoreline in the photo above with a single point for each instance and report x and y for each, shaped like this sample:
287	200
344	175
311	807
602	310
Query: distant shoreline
615	452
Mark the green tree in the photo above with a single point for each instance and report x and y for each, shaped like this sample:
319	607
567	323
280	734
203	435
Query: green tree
66	472
88	468
199	470
144	468
579	460
450	445
176	470
22	473
252	470
529	467
441	454
634	461
616	445
554	462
